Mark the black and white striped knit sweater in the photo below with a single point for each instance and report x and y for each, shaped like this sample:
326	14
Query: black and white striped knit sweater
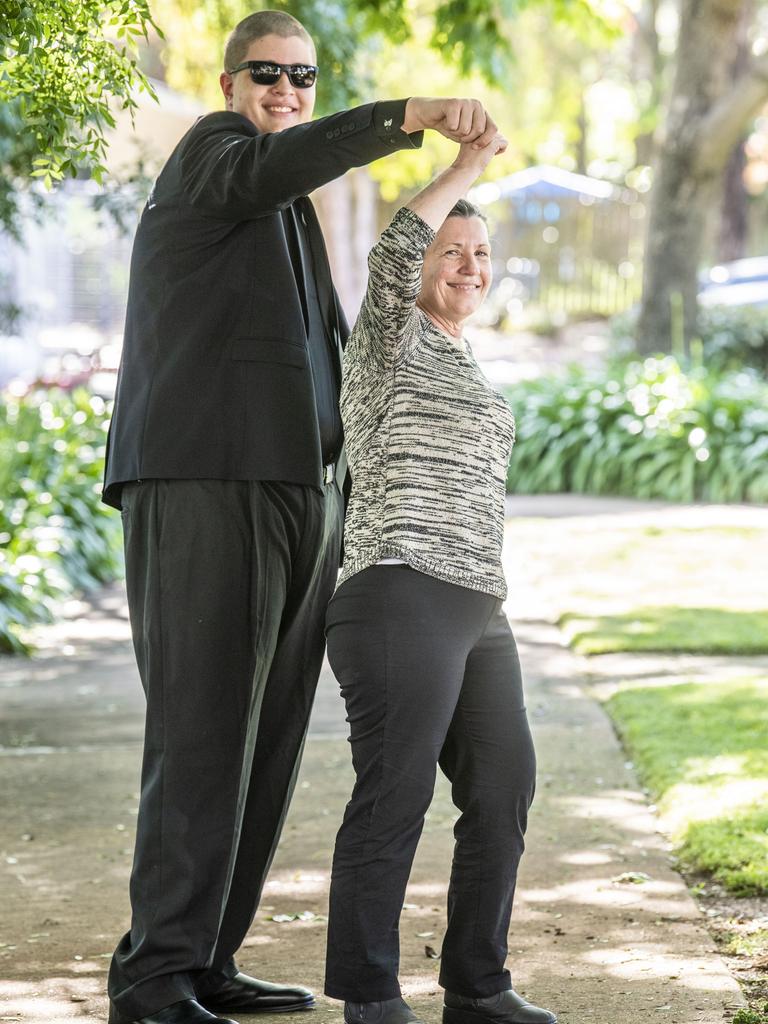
428	438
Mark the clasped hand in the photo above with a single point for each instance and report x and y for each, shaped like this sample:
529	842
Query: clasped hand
478	157
464	121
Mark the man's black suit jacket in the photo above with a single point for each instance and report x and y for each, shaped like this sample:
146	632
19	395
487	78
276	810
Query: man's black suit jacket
215	380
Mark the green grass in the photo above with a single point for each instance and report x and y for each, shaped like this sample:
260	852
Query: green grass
751	1016
733	850
748	944
672	629
702	750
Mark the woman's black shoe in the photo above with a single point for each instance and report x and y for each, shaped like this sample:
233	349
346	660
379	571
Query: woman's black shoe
187	1011
503	1008
387	1011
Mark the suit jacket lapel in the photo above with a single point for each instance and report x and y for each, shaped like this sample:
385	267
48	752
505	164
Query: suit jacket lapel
325	291
333	315
292	230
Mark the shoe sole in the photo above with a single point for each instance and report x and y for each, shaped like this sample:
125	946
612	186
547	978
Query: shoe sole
118	1018
292	1008
454	1015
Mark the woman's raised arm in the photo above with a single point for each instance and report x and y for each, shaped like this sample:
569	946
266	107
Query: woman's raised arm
395	262
435	202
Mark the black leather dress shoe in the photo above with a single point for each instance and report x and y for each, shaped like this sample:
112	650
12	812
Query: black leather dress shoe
388	1011
504	1008
188	1011
242	994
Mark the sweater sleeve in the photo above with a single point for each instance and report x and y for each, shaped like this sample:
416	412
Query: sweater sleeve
387	317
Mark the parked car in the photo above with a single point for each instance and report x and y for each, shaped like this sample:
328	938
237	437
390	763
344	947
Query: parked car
738	283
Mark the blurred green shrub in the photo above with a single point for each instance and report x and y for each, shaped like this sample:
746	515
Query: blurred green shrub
647	430
55	535
730	337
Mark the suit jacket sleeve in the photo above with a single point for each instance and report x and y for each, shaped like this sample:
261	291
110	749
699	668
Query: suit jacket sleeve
232	171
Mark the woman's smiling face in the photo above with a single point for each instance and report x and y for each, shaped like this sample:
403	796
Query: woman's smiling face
457	270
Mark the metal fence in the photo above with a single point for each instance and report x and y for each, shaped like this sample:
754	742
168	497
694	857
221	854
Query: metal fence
564	243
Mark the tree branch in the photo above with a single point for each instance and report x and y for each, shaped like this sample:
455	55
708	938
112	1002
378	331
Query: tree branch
725	124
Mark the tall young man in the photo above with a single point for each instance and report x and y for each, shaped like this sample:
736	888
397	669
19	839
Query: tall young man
225	456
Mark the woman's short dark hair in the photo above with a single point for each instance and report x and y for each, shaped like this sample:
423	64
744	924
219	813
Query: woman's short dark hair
258	25
464	208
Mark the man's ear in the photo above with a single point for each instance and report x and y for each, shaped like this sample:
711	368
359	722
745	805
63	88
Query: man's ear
227	87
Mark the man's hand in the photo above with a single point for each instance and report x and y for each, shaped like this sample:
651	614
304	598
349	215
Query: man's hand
465	121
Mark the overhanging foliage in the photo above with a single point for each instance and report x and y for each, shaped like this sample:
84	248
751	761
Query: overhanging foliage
62	62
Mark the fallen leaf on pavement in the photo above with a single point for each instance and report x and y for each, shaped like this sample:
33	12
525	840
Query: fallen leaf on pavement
632	878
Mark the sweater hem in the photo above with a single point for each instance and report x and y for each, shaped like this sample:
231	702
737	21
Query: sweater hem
496	588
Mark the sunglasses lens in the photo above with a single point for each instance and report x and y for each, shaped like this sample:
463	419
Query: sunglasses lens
301	76
265	74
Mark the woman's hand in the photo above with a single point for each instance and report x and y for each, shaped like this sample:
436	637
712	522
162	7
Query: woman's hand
434	202
473	159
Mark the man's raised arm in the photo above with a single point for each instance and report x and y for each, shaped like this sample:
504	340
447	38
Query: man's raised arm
231	170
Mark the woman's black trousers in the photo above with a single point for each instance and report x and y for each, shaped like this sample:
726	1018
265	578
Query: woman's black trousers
429	673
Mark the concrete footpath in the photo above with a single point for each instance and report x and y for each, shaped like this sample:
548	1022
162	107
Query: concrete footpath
603	931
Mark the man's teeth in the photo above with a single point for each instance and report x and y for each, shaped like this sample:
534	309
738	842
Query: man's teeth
281	110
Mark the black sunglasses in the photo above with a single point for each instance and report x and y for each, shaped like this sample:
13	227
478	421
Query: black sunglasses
267	72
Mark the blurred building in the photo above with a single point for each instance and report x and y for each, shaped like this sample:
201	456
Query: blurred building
69	273
566	244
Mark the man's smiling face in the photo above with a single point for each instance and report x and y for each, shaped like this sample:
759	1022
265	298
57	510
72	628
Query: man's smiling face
272	107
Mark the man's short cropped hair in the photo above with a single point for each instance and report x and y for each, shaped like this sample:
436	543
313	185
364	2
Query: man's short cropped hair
258	25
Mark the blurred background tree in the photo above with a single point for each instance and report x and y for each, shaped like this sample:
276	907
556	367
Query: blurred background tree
632	91
717	90
61	64
471	36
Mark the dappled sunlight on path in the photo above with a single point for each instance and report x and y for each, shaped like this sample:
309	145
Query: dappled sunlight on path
604	930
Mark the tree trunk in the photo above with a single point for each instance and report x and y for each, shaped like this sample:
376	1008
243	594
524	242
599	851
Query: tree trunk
679	203
581	139
683	185
734	210
647	70
733	228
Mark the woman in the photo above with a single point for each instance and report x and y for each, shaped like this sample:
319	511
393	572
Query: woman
416	634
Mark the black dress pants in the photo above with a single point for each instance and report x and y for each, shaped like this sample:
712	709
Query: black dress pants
227	583
429	673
